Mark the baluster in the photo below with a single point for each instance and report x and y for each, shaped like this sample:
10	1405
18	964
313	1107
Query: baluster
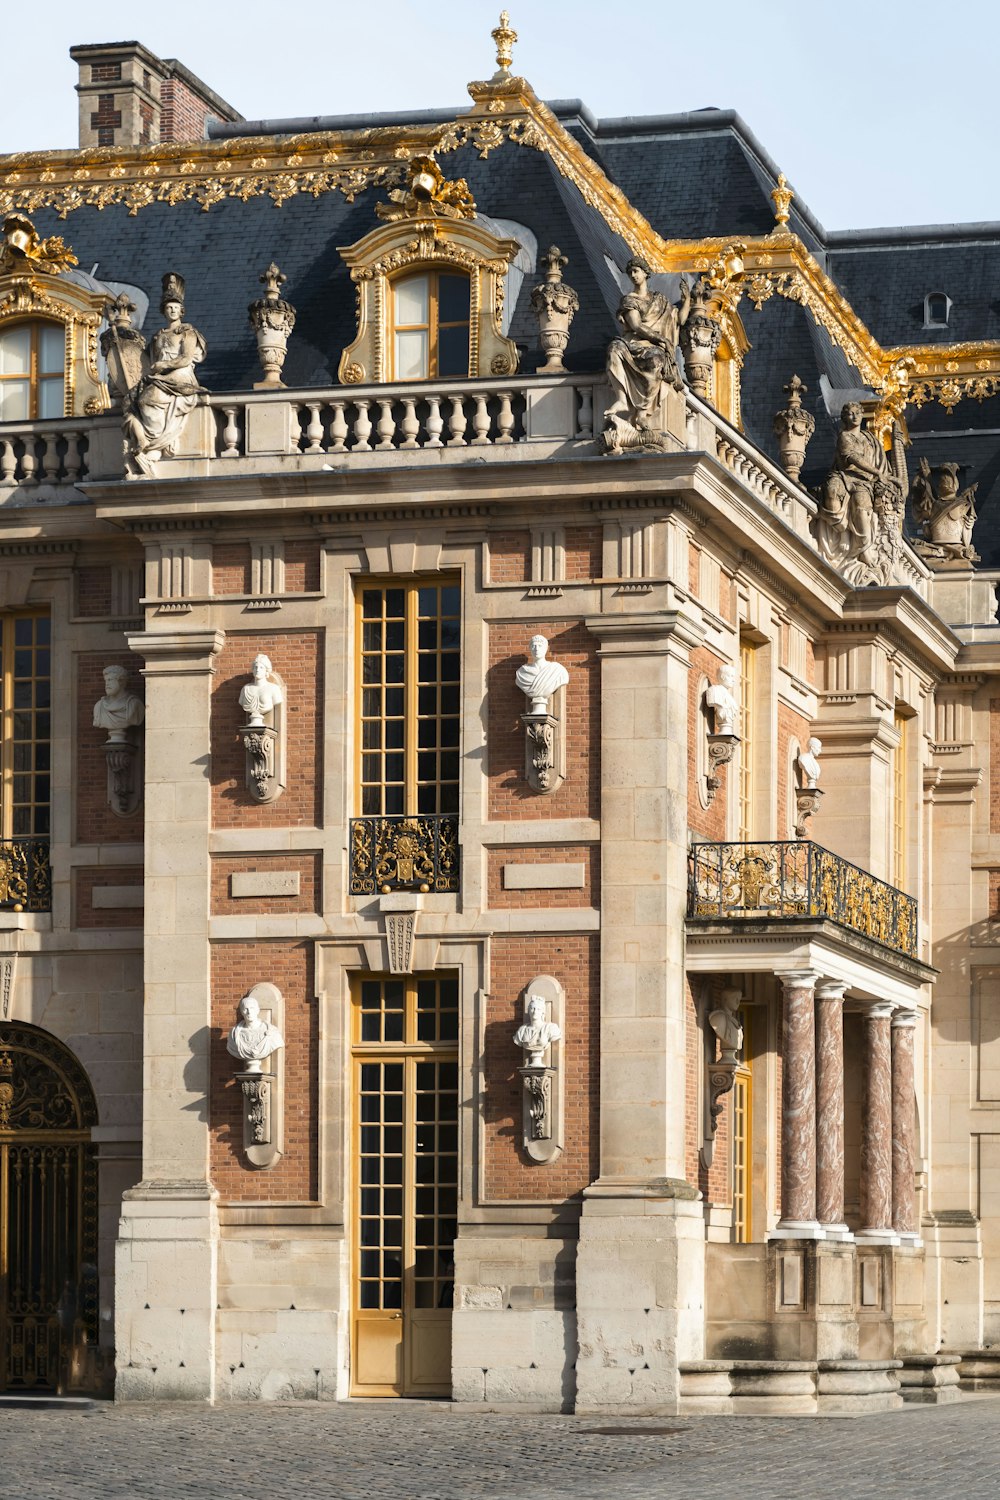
8	463
72	462
362	428
585	420
50	457
28	462
409	426
386	425
230	434
338	428
435	424
481	421
505	417
456	422
314	429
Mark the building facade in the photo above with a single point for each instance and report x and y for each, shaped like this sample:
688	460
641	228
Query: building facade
499	836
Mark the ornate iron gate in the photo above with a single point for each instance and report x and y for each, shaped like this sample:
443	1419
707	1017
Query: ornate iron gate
48	1215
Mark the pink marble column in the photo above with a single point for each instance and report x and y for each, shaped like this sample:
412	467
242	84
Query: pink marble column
904	1197
876	1130
798	1108
830	1107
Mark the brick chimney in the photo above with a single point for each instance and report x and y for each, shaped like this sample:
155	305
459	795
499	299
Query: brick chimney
129	97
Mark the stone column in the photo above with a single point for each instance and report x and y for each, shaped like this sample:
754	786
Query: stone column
640	1260
876	1131
904	1125
830	1108
166	1260
798	1109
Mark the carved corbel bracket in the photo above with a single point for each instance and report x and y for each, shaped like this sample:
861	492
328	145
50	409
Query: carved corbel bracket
124	759
264	779
263	1089
538	1124
807	803
721	749
542	752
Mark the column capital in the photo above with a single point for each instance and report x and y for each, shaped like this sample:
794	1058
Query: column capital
670	632
831	989
800	979
177	652
882	1010
904	1019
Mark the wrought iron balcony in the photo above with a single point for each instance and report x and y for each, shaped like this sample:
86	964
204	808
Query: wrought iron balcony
774	882
418	853
25	875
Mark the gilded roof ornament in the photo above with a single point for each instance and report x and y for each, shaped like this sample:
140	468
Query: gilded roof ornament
429	195
505	37
781	196
23	248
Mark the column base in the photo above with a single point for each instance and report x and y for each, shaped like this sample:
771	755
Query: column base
909	1239
838	1232
877	1237
797	1229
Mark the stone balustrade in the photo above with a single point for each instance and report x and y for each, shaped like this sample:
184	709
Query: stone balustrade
33	453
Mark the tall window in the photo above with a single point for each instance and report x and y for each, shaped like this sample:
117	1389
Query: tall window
898	860
747	692
408	745
743	1136
26	722
32	371
430	326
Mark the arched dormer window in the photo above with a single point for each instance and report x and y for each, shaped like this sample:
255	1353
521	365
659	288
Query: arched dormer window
32	370
937	310
430	314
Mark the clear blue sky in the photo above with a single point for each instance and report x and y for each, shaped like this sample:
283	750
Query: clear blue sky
879	113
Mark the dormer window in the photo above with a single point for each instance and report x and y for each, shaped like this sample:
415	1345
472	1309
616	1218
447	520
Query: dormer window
937	310
431	326
32	371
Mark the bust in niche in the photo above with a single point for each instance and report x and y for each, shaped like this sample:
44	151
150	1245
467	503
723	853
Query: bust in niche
253	1039
118	711
721	699
539	679
260	695
537	1034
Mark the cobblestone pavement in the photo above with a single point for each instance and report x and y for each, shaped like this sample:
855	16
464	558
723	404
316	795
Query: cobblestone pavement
429	1451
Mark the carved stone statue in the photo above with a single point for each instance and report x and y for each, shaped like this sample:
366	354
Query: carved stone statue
539	679
793	427
725	1022
945	514
252	1039
118	711
554	304
721	698
157	408
123	347
642	361
272	320
808	766
860	518
259	696
537	1034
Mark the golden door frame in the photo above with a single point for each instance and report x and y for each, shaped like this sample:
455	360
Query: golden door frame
48	1216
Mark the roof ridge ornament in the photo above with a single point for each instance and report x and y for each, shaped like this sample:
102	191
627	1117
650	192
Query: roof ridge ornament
504	36
429	196
781	196
23	248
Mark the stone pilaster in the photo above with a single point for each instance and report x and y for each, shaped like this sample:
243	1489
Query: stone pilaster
798	1108
640	1261
876	1131
904	1124
830	1108
166	1263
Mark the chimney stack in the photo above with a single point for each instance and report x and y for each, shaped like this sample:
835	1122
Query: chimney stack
129	97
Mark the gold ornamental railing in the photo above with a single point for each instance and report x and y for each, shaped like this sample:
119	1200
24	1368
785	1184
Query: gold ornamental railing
766	882
418	853
25	875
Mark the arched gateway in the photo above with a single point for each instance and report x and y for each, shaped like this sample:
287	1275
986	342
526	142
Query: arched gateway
48	1215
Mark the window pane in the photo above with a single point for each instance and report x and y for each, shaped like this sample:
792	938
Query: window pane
453	350
50	397
51	349
411	355
14	400
411	301
15	351
453	299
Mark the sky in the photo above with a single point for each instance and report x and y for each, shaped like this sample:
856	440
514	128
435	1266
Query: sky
879	113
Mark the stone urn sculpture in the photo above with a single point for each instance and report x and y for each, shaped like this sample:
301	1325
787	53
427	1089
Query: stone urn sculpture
555	305
793	427
272	320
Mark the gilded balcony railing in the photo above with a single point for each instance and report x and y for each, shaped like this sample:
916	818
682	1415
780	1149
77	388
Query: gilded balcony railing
25	875
766	882
418	853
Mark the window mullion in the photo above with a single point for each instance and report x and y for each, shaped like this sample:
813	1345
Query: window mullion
7	749
410	699
432	322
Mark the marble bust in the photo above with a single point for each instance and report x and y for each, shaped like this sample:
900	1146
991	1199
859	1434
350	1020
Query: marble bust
118	711
725	1022
539	679
721	699
260	695
808	765
537	1034
252	1039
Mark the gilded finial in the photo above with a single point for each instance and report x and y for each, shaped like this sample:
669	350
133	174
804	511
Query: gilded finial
782	197
505	37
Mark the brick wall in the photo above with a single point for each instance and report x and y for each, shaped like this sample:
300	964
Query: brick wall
235	968
231	568
791	726
995	765
708	823
309	871
510	556
574	960
183	114
509	794
95	822
584	551
301	567
566	854
93	591
714	1182
694	570
297	658
88	877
